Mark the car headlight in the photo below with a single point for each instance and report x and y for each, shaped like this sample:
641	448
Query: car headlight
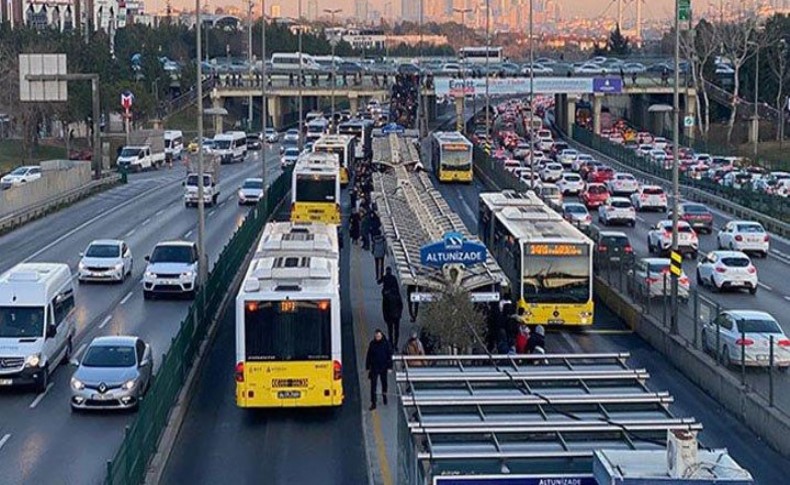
128	385
77	384
118	267
33	360
188	274
149	274
81	265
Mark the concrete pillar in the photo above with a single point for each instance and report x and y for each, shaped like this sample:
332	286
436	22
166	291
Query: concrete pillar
430	106
559	109
216	103
459	113
275	111
353	101
691	110
570	115
597	103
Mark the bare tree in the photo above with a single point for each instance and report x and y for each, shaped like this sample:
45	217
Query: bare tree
452	318
740	41
700	47
778	51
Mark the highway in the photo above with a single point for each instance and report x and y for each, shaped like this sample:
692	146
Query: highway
41	440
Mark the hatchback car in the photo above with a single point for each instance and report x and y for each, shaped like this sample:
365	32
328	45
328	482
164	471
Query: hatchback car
550	194
172	268
650	197
652	279
576	214
746	236
105	260
659	239
254	141
551	172
750	332
600	175
623	183
20	176
727	270
594	195
290	155
612	248
250	191
570	183
115	372
271	135
617	210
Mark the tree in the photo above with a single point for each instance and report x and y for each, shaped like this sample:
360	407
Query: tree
454	320
618	44
700	48
779	28
740	41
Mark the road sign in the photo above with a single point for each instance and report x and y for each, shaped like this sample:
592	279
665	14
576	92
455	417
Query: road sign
684	10
688	121
127	99
454	248
392	128
515	480
676	263
42	64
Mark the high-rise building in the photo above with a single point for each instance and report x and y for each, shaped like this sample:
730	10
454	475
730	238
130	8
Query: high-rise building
312	10
361	10
275	12
410	10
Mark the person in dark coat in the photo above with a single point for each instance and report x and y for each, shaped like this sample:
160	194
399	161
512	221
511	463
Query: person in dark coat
364	227
392	309
353	227
378	363
537	339
389	281
379	250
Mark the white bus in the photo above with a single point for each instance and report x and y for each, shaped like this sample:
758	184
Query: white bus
477	55
316	128
289	61
288	329
231	147
343	146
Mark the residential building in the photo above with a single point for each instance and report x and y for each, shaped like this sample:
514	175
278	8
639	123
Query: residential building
361	10
410	10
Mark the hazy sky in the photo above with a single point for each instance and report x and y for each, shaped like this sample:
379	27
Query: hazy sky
570	8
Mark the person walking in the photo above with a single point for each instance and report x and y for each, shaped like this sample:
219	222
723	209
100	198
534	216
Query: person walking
392	310
379	250
353	227
364	226
378	363
522	340
415	348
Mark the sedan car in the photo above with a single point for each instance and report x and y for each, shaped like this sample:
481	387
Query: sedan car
551	172
600	175
290	155
650	197
659	239
617	210
623	183
750	332
271	135
105	260
594	195
567	156
746	236
576	214
727	269
699	217
292	136
254	141
114	374
570	183
250	191
652	279
21	176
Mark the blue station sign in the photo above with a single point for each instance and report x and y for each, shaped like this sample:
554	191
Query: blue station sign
454	248
392	128
516	480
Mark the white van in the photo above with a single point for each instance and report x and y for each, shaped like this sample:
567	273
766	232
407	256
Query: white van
174	144
289	61
37	322
231	147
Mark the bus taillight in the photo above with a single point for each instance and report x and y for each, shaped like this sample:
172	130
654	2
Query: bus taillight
240	372
337	367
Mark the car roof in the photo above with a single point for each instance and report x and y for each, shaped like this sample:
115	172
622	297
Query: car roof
114	340
729	254
749	314
656	260
253	179
744	221
619	199
612	234
652	187
175	243
109	242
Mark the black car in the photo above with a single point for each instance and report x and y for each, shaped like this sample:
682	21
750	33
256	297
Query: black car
612	249
254	141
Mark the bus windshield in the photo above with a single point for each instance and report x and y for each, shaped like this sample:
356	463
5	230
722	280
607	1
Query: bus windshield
556	278
287	330
456	160
336	150
315	188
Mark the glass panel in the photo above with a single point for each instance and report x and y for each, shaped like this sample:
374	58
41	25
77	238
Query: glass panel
288	330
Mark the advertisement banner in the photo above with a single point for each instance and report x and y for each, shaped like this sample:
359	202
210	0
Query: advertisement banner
518	85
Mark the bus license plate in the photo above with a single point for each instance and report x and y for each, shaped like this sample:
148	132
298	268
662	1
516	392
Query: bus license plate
556	321
6	382
289	394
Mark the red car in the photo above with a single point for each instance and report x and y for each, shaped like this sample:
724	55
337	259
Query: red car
601	175
594	195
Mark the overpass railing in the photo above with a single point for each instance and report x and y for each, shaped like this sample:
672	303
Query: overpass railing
142	436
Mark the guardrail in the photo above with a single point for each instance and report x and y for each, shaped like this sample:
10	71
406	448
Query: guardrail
773	212
18	218
143	434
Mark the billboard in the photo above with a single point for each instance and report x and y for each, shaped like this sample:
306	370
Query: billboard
519	85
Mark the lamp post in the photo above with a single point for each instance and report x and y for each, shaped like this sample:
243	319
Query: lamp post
301	77
201	238
675	170
264	104
756	94
249	63
488	73
333	43
531	97
460	122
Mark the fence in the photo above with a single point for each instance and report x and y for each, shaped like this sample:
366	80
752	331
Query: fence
769	205
757	367
142	435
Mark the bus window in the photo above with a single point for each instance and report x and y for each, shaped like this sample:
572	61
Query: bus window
288	330
315	188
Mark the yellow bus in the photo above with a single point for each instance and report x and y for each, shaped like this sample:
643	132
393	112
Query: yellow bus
315	189
343	146
547	259
451	157
288	340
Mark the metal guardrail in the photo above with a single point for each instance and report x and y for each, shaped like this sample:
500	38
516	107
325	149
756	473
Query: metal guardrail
142	436
771	211
34	211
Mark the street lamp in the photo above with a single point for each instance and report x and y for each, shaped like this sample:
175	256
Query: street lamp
264	104
756	93
333	43
459	124
249	63
201	238
531	98
675	170
301	77
488	72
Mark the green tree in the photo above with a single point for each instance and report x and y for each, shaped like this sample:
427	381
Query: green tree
618	44
454	320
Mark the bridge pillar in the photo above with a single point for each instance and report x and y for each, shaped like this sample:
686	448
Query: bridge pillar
275	111
597	104
431	107
459	113
559	109
217	103
570	113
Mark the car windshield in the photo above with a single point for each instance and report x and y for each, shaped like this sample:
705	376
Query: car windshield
291	152
572	178
597	189
130	152
192	180
615	241
19	171
21	322
654	268
172	254
103	251
253	184
735	262
575	209
621	204
681	228
222	144
750	228
653	191
110	356
695	209
758	325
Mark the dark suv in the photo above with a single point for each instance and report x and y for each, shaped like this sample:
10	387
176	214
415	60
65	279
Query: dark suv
699	217
612	249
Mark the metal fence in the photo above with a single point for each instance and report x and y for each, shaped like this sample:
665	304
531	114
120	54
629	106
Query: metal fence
143	434
696	315
769	205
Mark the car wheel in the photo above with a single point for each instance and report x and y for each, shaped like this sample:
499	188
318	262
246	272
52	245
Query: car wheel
147	295
718	243
43	383
705	347
650	249
764	254
67	353
700	282
632	223
732	246
726	359
753	290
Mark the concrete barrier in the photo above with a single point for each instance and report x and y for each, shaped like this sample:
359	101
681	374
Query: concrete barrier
58	177
753	410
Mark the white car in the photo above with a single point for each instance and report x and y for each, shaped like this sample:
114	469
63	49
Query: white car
660	143
650	197
657	156
622	183
570	183
172	269
751	331
576	214
250	191
653	280
617	210
576	165
105	260
746	236
551	172
271	135
644	150
567	156
550	194
21	176
290	155
659	239
727	269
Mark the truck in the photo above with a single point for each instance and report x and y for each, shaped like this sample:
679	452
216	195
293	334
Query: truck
211	177
146	150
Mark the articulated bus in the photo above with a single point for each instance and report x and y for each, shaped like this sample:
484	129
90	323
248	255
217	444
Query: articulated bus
317	128
546	258
343	146
362	130
451	157
315	189
288	340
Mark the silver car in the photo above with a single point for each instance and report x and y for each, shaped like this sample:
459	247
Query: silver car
751	331
115	372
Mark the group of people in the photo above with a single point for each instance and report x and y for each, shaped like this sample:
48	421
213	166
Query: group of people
403	100
515	338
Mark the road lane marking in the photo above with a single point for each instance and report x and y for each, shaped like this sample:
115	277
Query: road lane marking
787	298
610	331
188	234
764	286
211	213
146	221
126	298
79	350
4	440
105	321
159	212
41	396
128	234
640	219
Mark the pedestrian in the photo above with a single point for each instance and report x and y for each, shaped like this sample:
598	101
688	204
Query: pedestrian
622	76
365	230
353	227
522	340
502	345
378	363
291	79
538	340
633	78
389	280
379	250
392	310
665	77
415	348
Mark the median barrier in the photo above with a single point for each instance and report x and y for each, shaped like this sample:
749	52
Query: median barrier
155	413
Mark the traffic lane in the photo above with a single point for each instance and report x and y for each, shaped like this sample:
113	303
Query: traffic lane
221	443
156	323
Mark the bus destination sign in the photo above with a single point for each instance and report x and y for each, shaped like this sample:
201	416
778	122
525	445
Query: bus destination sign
555	250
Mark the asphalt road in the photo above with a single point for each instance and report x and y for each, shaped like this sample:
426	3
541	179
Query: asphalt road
41	441
221	443
720	428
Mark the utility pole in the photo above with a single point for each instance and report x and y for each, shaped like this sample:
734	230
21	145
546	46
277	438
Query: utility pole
488	73
249	63
333	43
532	97
460	125
264	104
301	77
201	242
675	171
756	94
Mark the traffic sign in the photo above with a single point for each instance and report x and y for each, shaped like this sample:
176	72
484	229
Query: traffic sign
38	65
684	10
688	121
127	99
454	248
676	263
